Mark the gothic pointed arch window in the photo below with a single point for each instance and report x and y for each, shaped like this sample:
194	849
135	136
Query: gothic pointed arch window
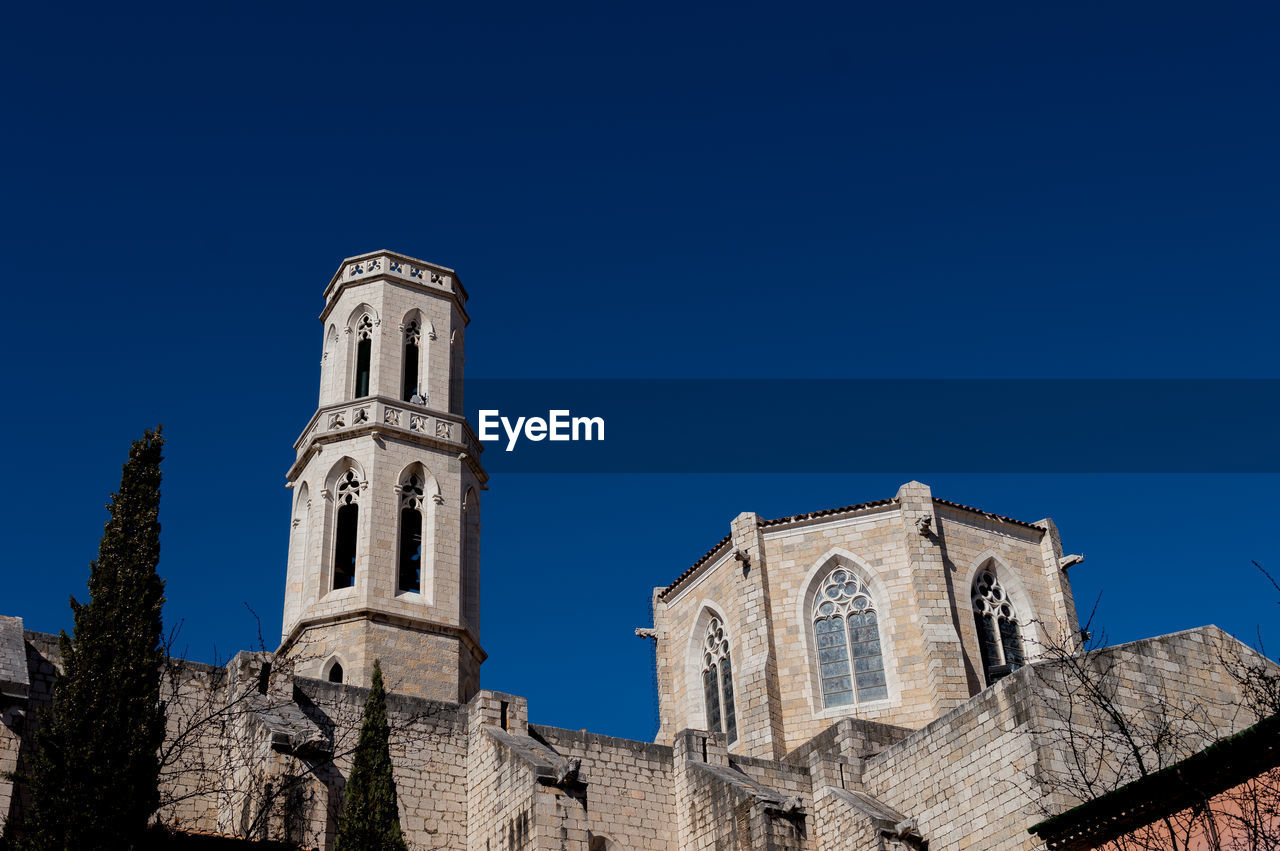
364	355
999	632
412	343
346	525
328	368
846	628
469	561
298	535
409	570
334	672
717	681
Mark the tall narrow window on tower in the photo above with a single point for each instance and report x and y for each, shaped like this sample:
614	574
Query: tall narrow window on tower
364	355
346	525
470	558
412	337
410	567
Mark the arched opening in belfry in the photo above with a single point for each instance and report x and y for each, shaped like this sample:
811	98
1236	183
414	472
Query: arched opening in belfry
409	568
347	524
412	336
364	355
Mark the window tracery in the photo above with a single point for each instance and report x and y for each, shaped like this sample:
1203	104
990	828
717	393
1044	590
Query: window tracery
717	681
347	522
412	340
410	561
847	635
999	633
364	355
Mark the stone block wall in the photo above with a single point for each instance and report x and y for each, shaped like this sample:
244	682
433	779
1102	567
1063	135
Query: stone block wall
428	753
918	557
502	799
19	721
979	776
629	794
477	775
418	659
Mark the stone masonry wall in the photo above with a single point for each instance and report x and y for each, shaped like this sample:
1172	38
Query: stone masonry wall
921	584
979	776
20	723
501	790
629	795
1039	589
428	754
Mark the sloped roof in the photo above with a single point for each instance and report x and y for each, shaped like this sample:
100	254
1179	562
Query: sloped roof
1221	766
832	512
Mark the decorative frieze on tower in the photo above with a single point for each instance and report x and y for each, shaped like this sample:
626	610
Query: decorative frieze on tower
384	550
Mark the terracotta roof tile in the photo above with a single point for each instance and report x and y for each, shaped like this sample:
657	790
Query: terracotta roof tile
831	512
795	518
828	512
697	564
987	514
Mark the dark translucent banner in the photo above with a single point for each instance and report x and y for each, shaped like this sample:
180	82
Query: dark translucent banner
868	425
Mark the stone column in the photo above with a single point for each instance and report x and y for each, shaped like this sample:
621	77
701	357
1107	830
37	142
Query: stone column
759	706
1064	604
933	599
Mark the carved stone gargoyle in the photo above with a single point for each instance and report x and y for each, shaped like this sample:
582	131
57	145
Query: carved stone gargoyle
567	774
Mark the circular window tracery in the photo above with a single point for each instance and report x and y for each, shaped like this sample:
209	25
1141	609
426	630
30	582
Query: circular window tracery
847	633
364	328
717	680
999	631
349	487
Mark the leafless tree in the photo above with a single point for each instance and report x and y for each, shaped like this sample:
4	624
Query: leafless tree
231	763
1121	732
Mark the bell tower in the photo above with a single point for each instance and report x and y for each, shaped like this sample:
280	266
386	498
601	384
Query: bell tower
384	546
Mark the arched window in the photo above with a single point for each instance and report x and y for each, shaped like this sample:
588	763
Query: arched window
329	372
847	633
717	681
999	634
410	562
347	496
412	338
364	355
456	360
470	558
335	672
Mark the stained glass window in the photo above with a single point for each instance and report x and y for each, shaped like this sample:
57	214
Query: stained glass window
717	681
999	633
847	633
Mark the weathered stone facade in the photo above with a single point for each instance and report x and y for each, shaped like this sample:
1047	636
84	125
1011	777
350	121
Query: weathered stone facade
905	727
388	436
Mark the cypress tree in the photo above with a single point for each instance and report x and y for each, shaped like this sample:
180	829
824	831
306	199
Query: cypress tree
95	773
370	819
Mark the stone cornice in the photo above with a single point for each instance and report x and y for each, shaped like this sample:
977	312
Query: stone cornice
391	418
462	633
400	269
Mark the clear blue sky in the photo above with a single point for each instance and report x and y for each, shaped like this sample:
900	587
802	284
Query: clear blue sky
745	190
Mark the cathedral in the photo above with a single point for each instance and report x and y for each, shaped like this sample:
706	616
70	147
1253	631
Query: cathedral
894	674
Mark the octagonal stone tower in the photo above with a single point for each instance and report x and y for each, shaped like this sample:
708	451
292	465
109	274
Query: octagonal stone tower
384	549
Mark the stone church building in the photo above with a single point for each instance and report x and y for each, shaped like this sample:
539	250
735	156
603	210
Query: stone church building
886	675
